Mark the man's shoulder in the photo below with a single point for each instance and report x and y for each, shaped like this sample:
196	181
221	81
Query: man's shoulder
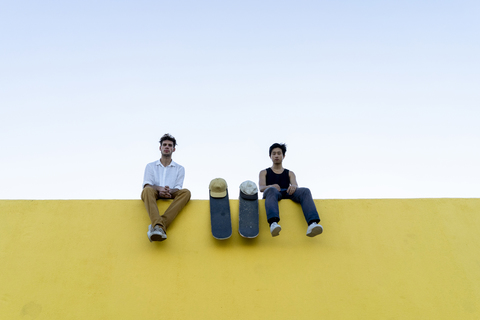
153	163
175	164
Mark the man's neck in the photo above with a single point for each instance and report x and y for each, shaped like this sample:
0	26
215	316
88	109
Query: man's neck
165	161
277	167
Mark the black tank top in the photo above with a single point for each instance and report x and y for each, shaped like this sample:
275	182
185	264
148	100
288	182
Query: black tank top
282	179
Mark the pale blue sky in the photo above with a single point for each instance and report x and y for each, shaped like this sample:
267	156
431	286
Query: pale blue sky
375	99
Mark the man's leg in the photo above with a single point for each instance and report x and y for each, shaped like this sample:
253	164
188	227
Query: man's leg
304	197
149	198
180	199
272	196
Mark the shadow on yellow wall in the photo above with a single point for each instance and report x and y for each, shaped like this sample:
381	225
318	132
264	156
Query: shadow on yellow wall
377	259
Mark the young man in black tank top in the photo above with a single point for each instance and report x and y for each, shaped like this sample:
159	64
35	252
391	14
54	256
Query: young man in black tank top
278	183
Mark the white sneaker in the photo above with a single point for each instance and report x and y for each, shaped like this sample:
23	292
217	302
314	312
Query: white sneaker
156	234
314	230
275	229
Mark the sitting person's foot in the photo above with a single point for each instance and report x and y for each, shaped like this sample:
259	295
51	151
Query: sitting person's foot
275	229
314	229
156	233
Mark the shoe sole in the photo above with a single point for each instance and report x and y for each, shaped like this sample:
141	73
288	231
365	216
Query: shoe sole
315	231
275	232
157	237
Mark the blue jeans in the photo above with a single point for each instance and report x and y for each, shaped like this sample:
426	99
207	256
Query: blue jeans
301	195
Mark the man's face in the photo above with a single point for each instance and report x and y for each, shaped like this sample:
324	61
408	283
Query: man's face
166	148
277	155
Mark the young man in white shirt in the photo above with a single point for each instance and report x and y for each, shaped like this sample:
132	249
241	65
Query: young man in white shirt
163	179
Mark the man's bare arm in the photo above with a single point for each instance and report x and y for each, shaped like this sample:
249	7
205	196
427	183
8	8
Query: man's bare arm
262	182
293	183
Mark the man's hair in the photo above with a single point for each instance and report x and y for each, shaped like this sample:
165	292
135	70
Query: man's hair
169	137
282	146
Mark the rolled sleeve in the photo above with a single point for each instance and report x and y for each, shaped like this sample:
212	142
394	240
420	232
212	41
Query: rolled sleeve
148	176
180	177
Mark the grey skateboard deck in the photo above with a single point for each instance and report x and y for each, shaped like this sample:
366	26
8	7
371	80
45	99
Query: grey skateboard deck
248	215
220	217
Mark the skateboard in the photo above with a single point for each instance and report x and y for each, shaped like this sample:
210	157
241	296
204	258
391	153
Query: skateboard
220	210
248	210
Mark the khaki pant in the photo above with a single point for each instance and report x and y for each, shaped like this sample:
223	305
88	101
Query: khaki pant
150	197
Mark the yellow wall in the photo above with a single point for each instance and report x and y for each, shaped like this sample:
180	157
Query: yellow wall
377	259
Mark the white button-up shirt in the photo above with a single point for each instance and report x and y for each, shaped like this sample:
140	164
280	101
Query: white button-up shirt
158	175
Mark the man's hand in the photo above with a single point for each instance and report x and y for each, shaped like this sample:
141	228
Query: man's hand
276	186
164	192
291	190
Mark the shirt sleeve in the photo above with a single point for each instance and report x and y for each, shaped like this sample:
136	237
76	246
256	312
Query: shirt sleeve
148	176
180	177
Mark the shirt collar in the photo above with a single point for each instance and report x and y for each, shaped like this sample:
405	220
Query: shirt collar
172	164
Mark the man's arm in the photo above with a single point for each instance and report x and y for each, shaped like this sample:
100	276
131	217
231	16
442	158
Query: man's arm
262	182
179	179
293	183
148	176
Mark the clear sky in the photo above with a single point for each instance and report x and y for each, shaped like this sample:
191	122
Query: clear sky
374	99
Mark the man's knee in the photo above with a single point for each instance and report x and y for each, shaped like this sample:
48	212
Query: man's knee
305	190
187	193
149	192
302	193
184	193
271	192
